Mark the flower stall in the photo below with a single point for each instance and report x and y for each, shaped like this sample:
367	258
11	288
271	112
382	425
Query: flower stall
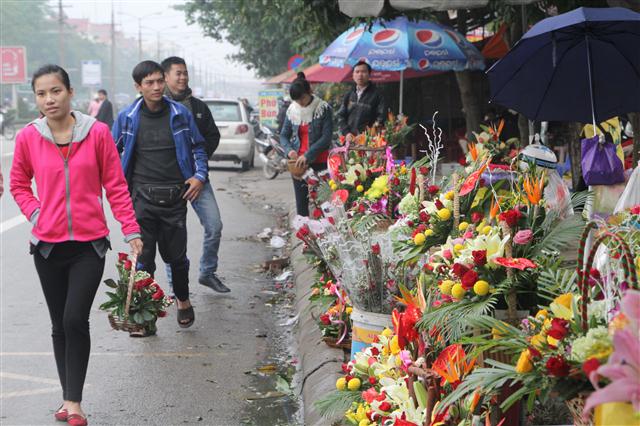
464	293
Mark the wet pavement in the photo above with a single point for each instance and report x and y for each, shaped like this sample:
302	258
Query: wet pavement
236	365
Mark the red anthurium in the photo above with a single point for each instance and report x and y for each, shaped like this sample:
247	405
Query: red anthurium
515	262
341	194
471	181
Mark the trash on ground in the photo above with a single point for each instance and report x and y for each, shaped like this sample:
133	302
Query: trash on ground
277	242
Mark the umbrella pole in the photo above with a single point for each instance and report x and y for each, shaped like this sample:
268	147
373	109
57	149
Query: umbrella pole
589	68
401	90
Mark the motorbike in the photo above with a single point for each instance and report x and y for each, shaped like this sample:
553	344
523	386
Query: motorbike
274	159
7	118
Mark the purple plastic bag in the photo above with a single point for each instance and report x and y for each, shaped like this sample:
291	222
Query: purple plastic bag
600	164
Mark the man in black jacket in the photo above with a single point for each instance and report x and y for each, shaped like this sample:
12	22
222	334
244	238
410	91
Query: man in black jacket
105	113
205	206
363	106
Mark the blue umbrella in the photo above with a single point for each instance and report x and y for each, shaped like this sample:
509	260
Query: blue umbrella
402	44
582	66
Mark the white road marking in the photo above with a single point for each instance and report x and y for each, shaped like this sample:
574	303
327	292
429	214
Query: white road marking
27	378
41	391
12	223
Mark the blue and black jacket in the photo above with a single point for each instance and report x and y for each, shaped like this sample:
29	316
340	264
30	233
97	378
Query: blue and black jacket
190	148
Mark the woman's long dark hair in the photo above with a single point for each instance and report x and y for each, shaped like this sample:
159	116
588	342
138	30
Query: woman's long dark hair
299	87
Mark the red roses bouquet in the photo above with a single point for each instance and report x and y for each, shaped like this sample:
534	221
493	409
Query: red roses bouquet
147	301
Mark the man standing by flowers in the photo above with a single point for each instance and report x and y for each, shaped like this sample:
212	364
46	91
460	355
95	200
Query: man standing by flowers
165	163
206	206
363	106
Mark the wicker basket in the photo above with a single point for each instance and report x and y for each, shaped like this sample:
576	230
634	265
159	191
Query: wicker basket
575	406
333	343
123	324
296	171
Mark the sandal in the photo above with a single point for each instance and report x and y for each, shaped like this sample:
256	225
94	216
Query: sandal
61	414
76	420
186	314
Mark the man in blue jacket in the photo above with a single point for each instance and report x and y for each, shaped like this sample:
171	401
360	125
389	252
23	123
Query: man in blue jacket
165	163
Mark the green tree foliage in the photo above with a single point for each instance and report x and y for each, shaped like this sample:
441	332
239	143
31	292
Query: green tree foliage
269	32
34	24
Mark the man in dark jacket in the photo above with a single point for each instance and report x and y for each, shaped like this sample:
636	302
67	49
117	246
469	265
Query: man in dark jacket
105	113
363	106
205	206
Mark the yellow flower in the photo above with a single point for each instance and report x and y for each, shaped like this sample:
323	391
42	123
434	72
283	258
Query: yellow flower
364	422
403	170
463	226
542	314
457	291
524	364
333	186
446	286
387	332
498	332
449	195
486	230
551	341
354	384
481	288
565	300
341	384
444	214
428	232
419	239
359	188
538	341
458	247
349	310
332	182
394	346
361	413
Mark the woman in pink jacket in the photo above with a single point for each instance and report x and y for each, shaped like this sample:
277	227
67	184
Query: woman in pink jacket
72	157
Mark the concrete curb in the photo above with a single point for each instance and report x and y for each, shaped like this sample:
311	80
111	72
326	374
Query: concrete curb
320	364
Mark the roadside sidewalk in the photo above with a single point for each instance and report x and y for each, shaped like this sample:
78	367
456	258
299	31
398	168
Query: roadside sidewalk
320	364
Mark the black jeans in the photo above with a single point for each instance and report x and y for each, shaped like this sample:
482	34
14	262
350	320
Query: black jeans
70	277
301	191
165	226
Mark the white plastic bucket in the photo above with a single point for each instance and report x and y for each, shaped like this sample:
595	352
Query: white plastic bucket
365	327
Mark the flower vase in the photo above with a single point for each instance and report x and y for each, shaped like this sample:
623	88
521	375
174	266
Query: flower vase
365	327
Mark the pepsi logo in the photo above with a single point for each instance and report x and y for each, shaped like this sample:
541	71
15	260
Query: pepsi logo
354	35
454	36
423	64
386	37
429	38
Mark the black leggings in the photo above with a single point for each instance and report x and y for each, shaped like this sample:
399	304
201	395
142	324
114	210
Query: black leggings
301	191
70	277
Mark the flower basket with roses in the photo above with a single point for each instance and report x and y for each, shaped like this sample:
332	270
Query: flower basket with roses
136	301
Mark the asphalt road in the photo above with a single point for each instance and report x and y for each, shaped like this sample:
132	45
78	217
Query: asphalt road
207	374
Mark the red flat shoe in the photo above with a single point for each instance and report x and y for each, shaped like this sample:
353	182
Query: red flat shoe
61	415
76	420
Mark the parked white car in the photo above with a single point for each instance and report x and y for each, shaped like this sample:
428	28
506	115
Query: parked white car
237	142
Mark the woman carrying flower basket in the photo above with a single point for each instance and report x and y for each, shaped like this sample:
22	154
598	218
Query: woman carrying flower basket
72	157
306	137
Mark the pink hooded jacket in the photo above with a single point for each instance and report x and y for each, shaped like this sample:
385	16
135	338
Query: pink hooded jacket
69	205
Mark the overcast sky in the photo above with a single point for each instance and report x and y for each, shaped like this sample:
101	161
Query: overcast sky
159	15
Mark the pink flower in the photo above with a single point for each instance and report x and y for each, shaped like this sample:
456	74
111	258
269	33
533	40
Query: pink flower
405	357
447	254
623	367
523	237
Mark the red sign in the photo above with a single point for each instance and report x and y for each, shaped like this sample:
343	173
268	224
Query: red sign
14	65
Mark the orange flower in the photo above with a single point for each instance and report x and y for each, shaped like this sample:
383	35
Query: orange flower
495	208
473	151
452	365
533	188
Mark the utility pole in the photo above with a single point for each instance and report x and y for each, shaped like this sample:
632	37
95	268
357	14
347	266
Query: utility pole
112	68
60	34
